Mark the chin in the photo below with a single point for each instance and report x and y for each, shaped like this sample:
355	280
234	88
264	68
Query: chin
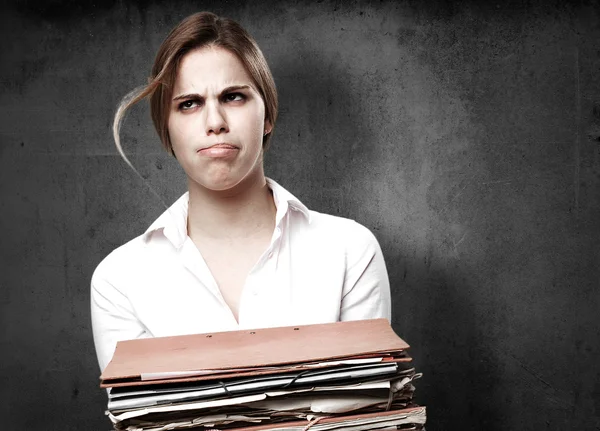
220	183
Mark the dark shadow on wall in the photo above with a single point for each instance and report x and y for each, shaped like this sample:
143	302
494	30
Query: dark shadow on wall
332	90
459	370
321	135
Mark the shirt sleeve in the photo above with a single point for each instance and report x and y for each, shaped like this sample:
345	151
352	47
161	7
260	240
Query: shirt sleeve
366	292
113	317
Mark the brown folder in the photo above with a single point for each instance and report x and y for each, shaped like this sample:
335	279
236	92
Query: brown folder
250	351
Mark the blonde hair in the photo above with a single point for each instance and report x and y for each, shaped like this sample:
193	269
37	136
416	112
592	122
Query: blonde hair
196	31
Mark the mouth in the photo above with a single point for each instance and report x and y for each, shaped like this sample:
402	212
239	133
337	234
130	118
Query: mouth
222	145
222	150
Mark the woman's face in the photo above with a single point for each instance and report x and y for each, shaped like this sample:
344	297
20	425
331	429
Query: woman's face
217	120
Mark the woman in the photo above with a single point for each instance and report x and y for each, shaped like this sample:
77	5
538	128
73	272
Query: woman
237	251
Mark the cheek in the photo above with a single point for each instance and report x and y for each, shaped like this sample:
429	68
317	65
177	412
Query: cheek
254	123
257	126
176	131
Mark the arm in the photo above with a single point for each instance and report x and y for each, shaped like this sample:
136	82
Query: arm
113	317
366	293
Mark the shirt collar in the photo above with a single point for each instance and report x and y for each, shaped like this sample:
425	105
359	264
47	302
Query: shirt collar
173	222
284	200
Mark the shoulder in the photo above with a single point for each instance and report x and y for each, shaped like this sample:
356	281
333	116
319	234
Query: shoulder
120	262
339	226
344	231
140	257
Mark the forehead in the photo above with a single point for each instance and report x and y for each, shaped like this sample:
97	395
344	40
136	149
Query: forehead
210	69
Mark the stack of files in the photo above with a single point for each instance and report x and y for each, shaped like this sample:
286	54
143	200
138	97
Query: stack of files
347	376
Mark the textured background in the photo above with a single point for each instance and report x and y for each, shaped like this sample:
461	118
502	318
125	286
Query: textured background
466	137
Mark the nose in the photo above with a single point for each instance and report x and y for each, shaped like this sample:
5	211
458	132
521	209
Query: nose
215	119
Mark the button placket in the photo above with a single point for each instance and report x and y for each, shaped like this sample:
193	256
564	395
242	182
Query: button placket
275	243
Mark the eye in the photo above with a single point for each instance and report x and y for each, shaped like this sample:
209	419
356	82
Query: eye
188	104
234	97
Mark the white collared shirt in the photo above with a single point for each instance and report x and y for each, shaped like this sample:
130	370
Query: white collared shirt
318	268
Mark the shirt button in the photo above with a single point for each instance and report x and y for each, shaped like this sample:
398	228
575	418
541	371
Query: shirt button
270	255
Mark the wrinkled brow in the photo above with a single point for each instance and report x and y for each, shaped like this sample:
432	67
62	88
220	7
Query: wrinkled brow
223	92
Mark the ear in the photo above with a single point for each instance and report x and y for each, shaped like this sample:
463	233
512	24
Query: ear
268	127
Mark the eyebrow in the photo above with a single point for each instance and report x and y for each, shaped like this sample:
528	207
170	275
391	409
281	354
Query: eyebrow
223	92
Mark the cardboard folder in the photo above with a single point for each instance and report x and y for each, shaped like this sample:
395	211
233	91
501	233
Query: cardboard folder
249	352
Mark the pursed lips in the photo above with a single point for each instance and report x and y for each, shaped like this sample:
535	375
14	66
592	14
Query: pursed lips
221	150
223	145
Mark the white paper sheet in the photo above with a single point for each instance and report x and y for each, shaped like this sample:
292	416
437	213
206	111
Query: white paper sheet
187	406
195	373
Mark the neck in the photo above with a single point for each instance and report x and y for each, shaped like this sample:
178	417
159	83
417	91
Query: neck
245	211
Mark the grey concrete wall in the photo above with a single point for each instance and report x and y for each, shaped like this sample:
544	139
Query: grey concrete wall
465	136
